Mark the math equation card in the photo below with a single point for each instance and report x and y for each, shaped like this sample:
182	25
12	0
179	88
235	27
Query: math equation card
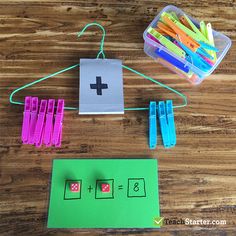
104	193
101	87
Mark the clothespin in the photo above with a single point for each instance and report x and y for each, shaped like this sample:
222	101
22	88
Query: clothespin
166	29
163	124
167	43
47	139
195	58
57	129
185	38
33	119
211	39
195	37
152	125
173	14
166	56
171	122
167	123
196	30
185	22
39	128
203	29
26	120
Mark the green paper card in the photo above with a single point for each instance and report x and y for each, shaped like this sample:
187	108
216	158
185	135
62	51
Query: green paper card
113	193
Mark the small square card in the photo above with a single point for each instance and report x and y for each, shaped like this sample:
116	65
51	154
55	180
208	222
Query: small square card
101	87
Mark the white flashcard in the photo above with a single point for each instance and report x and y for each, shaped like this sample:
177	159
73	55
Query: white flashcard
101	87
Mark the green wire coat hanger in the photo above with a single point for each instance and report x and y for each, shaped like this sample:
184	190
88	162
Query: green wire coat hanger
100	53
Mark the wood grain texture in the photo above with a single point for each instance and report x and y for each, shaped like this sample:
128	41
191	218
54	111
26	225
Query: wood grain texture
196	178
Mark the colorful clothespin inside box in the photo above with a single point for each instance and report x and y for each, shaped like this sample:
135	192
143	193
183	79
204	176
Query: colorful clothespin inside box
39	125
188	47
166	121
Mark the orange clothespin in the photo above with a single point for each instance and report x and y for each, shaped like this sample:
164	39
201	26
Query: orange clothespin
183	37
166	29
184	22
161	31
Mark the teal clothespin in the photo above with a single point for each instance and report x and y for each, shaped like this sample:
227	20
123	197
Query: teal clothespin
171	122
167	123
195	58
163	124
152	125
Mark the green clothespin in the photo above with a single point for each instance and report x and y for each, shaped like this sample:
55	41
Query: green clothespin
196	30
203	28
173	14
167	43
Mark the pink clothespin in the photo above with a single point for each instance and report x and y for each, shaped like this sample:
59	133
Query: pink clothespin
33	119
47	139
57	130
26	121
39	128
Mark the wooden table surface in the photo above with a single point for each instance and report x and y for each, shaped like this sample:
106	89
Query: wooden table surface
196	178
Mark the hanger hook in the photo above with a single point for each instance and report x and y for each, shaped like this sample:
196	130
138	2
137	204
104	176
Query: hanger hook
102	40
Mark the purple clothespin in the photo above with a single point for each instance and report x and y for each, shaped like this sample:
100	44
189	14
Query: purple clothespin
57	130
33	119
26	121
39	128
47	139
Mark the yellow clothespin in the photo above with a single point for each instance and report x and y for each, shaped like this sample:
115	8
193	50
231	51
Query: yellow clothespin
211	39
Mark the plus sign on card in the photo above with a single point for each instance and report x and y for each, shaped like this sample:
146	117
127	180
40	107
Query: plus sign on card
101	87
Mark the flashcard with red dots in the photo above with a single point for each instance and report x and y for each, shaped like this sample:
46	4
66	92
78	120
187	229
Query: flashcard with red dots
104	193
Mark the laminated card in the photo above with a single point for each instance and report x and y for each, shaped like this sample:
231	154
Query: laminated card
104	193
101	87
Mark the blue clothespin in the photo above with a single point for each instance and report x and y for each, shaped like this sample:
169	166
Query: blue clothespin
208	46
195	59
152	125
163	124
167	124
166	56
171	122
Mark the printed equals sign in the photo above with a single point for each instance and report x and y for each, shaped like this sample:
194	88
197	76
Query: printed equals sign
120	187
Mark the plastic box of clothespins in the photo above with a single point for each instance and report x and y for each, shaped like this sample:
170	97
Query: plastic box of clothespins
189	48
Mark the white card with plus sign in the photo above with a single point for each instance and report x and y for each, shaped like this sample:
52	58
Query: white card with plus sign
101	87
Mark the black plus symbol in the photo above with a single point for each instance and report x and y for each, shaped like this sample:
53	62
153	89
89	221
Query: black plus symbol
90	188
99	86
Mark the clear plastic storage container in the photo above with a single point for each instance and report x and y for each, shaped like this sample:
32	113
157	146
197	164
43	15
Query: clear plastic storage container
193	73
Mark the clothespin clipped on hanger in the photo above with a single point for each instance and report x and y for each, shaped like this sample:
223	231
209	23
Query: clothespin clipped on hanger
57	130
26	120
171	122
33	119
47	139
152	125
167	123
40	127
